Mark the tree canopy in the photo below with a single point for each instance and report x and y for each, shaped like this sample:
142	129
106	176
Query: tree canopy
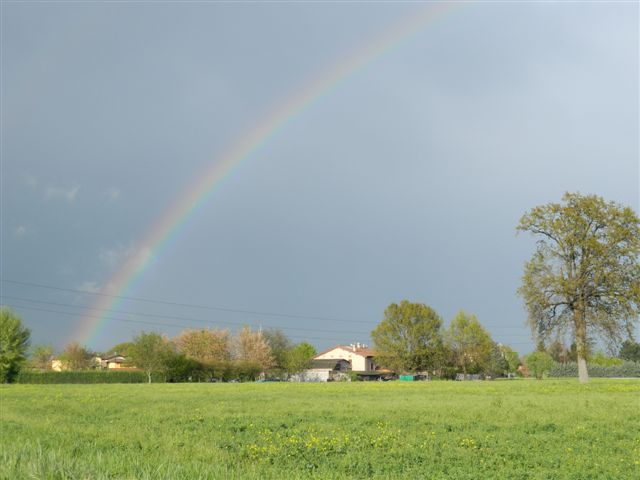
584	276
76	357
409	337
149	352
253	347
14	342
205	345
538	363
299	357
630	351
280	346
41	357
470	344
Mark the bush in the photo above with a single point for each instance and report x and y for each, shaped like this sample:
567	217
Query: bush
625	370
602	360
245	371
180	368
539	363
88	376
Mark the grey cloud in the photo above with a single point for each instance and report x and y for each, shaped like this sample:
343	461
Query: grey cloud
53	192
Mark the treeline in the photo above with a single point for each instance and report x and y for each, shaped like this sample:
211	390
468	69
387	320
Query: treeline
558	360
178	369
193	355
412	338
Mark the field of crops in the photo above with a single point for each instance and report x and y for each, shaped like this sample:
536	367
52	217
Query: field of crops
520	429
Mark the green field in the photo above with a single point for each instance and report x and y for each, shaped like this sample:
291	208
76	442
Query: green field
520	429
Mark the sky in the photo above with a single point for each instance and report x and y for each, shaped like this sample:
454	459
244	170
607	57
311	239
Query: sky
405	180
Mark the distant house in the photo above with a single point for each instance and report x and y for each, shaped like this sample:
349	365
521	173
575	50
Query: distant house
359	356
58	365
111	362
335	363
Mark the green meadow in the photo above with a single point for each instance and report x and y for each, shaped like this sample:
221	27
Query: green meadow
519	429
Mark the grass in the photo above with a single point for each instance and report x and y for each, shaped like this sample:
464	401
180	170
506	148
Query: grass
521	429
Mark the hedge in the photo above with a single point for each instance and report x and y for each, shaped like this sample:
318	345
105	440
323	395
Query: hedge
626	369
85	376
179	369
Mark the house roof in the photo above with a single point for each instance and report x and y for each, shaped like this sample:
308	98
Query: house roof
362	351
114	358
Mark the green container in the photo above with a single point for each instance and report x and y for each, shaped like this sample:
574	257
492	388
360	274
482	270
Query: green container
407	378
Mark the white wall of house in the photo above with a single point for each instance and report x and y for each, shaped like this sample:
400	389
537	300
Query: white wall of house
58	365
312	375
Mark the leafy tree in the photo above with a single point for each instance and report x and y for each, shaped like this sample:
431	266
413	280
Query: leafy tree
469	342
14	342
584	276
299	357
588	350
538	363
252	347
630	350
605	361
280	346
180	368
76	357
512	358
149	352
558	352
205	345
41	357
496	365
409	337
120	349
245	370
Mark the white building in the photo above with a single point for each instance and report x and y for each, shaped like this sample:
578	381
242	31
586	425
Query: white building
359	356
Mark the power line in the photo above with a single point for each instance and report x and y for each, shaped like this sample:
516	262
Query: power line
164	324
198	320
186	305
207	307
153	315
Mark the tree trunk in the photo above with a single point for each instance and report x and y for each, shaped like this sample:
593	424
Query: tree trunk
581	346
149	375
583	374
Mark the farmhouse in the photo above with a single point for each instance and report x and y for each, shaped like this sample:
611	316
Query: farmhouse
59	365
358	355
335	363
111	362
108	363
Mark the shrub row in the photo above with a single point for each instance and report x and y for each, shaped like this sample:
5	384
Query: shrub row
626	369
177	369
84	376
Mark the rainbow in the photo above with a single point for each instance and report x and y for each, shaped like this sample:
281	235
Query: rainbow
171	222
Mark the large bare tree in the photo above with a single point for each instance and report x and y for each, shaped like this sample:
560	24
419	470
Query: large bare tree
205	345
584	277
252	347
